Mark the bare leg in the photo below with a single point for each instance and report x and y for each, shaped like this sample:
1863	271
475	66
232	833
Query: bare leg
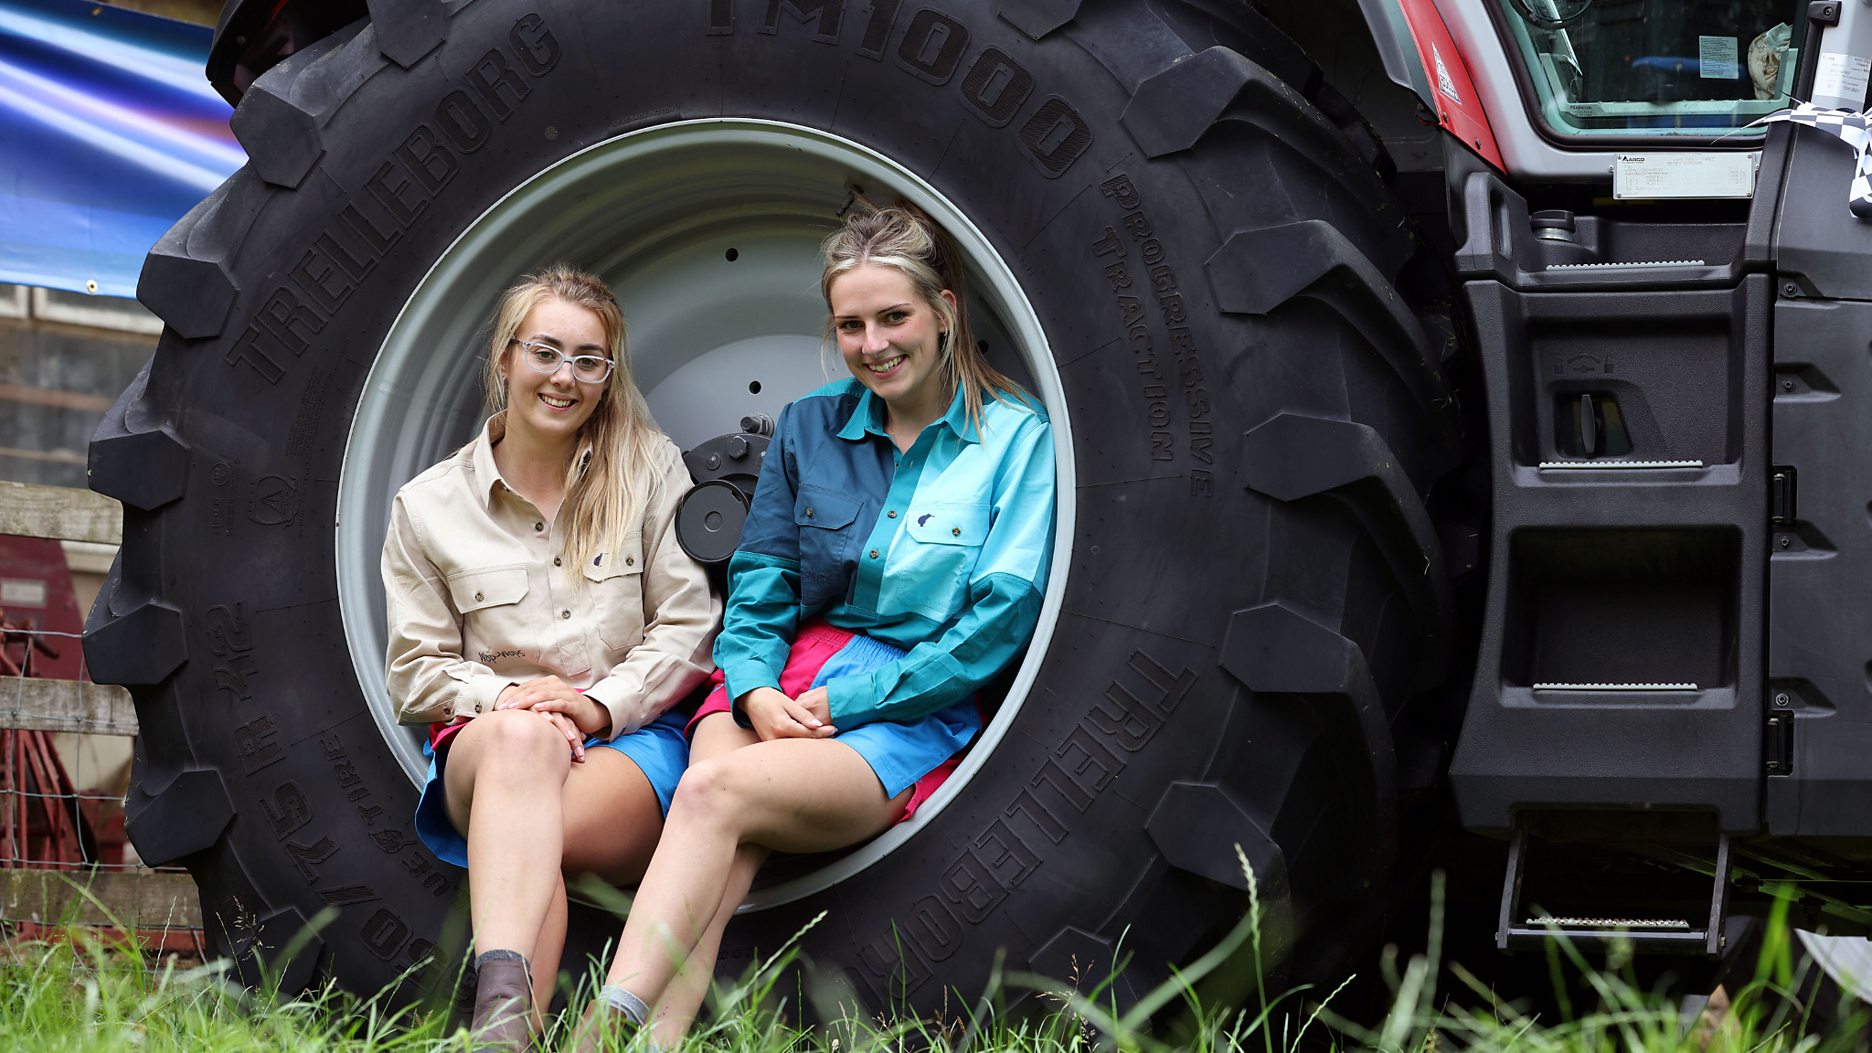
544	958
504	781
612	818
612	821
676	1010
792	795
533	816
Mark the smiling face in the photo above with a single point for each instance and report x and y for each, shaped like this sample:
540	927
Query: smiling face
890	338
553	406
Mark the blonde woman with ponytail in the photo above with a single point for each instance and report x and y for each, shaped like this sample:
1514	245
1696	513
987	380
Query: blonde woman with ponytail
891	565
543	620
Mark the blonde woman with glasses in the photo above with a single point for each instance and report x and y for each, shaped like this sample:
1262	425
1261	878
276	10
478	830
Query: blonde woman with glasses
543	620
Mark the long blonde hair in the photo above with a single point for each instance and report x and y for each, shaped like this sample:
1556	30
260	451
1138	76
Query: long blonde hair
602	498
902	237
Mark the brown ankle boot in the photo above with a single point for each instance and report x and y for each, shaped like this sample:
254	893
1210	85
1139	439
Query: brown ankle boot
503	1006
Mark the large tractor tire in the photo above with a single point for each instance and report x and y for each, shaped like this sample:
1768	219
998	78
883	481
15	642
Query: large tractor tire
1203	275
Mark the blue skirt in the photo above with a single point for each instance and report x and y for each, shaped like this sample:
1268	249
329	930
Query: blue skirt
658	749
902	754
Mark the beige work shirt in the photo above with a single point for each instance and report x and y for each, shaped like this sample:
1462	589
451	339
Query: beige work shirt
479	597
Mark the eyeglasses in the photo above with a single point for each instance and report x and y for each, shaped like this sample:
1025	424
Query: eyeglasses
545	358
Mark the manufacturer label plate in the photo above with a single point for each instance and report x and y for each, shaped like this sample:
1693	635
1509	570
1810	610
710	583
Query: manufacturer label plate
1841	76
1660	176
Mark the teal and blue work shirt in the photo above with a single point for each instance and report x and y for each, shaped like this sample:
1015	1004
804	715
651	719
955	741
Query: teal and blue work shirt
942	550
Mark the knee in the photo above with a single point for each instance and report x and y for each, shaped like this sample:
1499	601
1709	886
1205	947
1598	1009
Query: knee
521	738
711	791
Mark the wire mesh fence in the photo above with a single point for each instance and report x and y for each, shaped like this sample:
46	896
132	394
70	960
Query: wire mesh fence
65	750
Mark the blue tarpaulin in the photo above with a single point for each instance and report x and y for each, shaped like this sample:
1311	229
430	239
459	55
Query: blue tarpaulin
109	133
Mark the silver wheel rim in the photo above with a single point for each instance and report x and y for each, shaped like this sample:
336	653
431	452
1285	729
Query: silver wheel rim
714	334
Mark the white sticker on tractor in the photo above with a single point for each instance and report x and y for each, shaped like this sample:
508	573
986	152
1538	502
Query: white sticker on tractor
1841	76
1717	58
22	592
1444	82
1659	176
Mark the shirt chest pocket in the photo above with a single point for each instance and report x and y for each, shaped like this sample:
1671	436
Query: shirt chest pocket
930	569
828	535
491	601
614	585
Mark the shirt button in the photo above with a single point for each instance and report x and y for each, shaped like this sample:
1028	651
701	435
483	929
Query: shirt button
874	553
565	614
892	513
630	561
479	597
556	561
537	527
957	531
809	513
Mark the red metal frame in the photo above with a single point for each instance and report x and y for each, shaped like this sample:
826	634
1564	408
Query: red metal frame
31	561
37	830
177	940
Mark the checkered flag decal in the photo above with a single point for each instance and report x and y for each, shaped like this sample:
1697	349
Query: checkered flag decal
1850	128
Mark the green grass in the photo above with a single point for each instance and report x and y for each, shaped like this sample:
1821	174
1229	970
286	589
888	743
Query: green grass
81	992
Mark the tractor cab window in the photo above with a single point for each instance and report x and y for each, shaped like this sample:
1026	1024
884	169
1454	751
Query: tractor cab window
1679	68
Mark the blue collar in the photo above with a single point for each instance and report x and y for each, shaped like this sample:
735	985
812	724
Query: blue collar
867	418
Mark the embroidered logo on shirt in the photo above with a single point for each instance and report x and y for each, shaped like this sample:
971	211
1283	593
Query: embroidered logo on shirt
490	657
923	519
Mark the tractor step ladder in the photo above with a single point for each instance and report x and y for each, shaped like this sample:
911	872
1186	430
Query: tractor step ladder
1695	929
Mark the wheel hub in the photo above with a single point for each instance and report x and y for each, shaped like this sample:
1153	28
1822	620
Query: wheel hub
708	231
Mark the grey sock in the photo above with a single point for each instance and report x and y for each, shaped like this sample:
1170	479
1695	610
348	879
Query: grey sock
625	1002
